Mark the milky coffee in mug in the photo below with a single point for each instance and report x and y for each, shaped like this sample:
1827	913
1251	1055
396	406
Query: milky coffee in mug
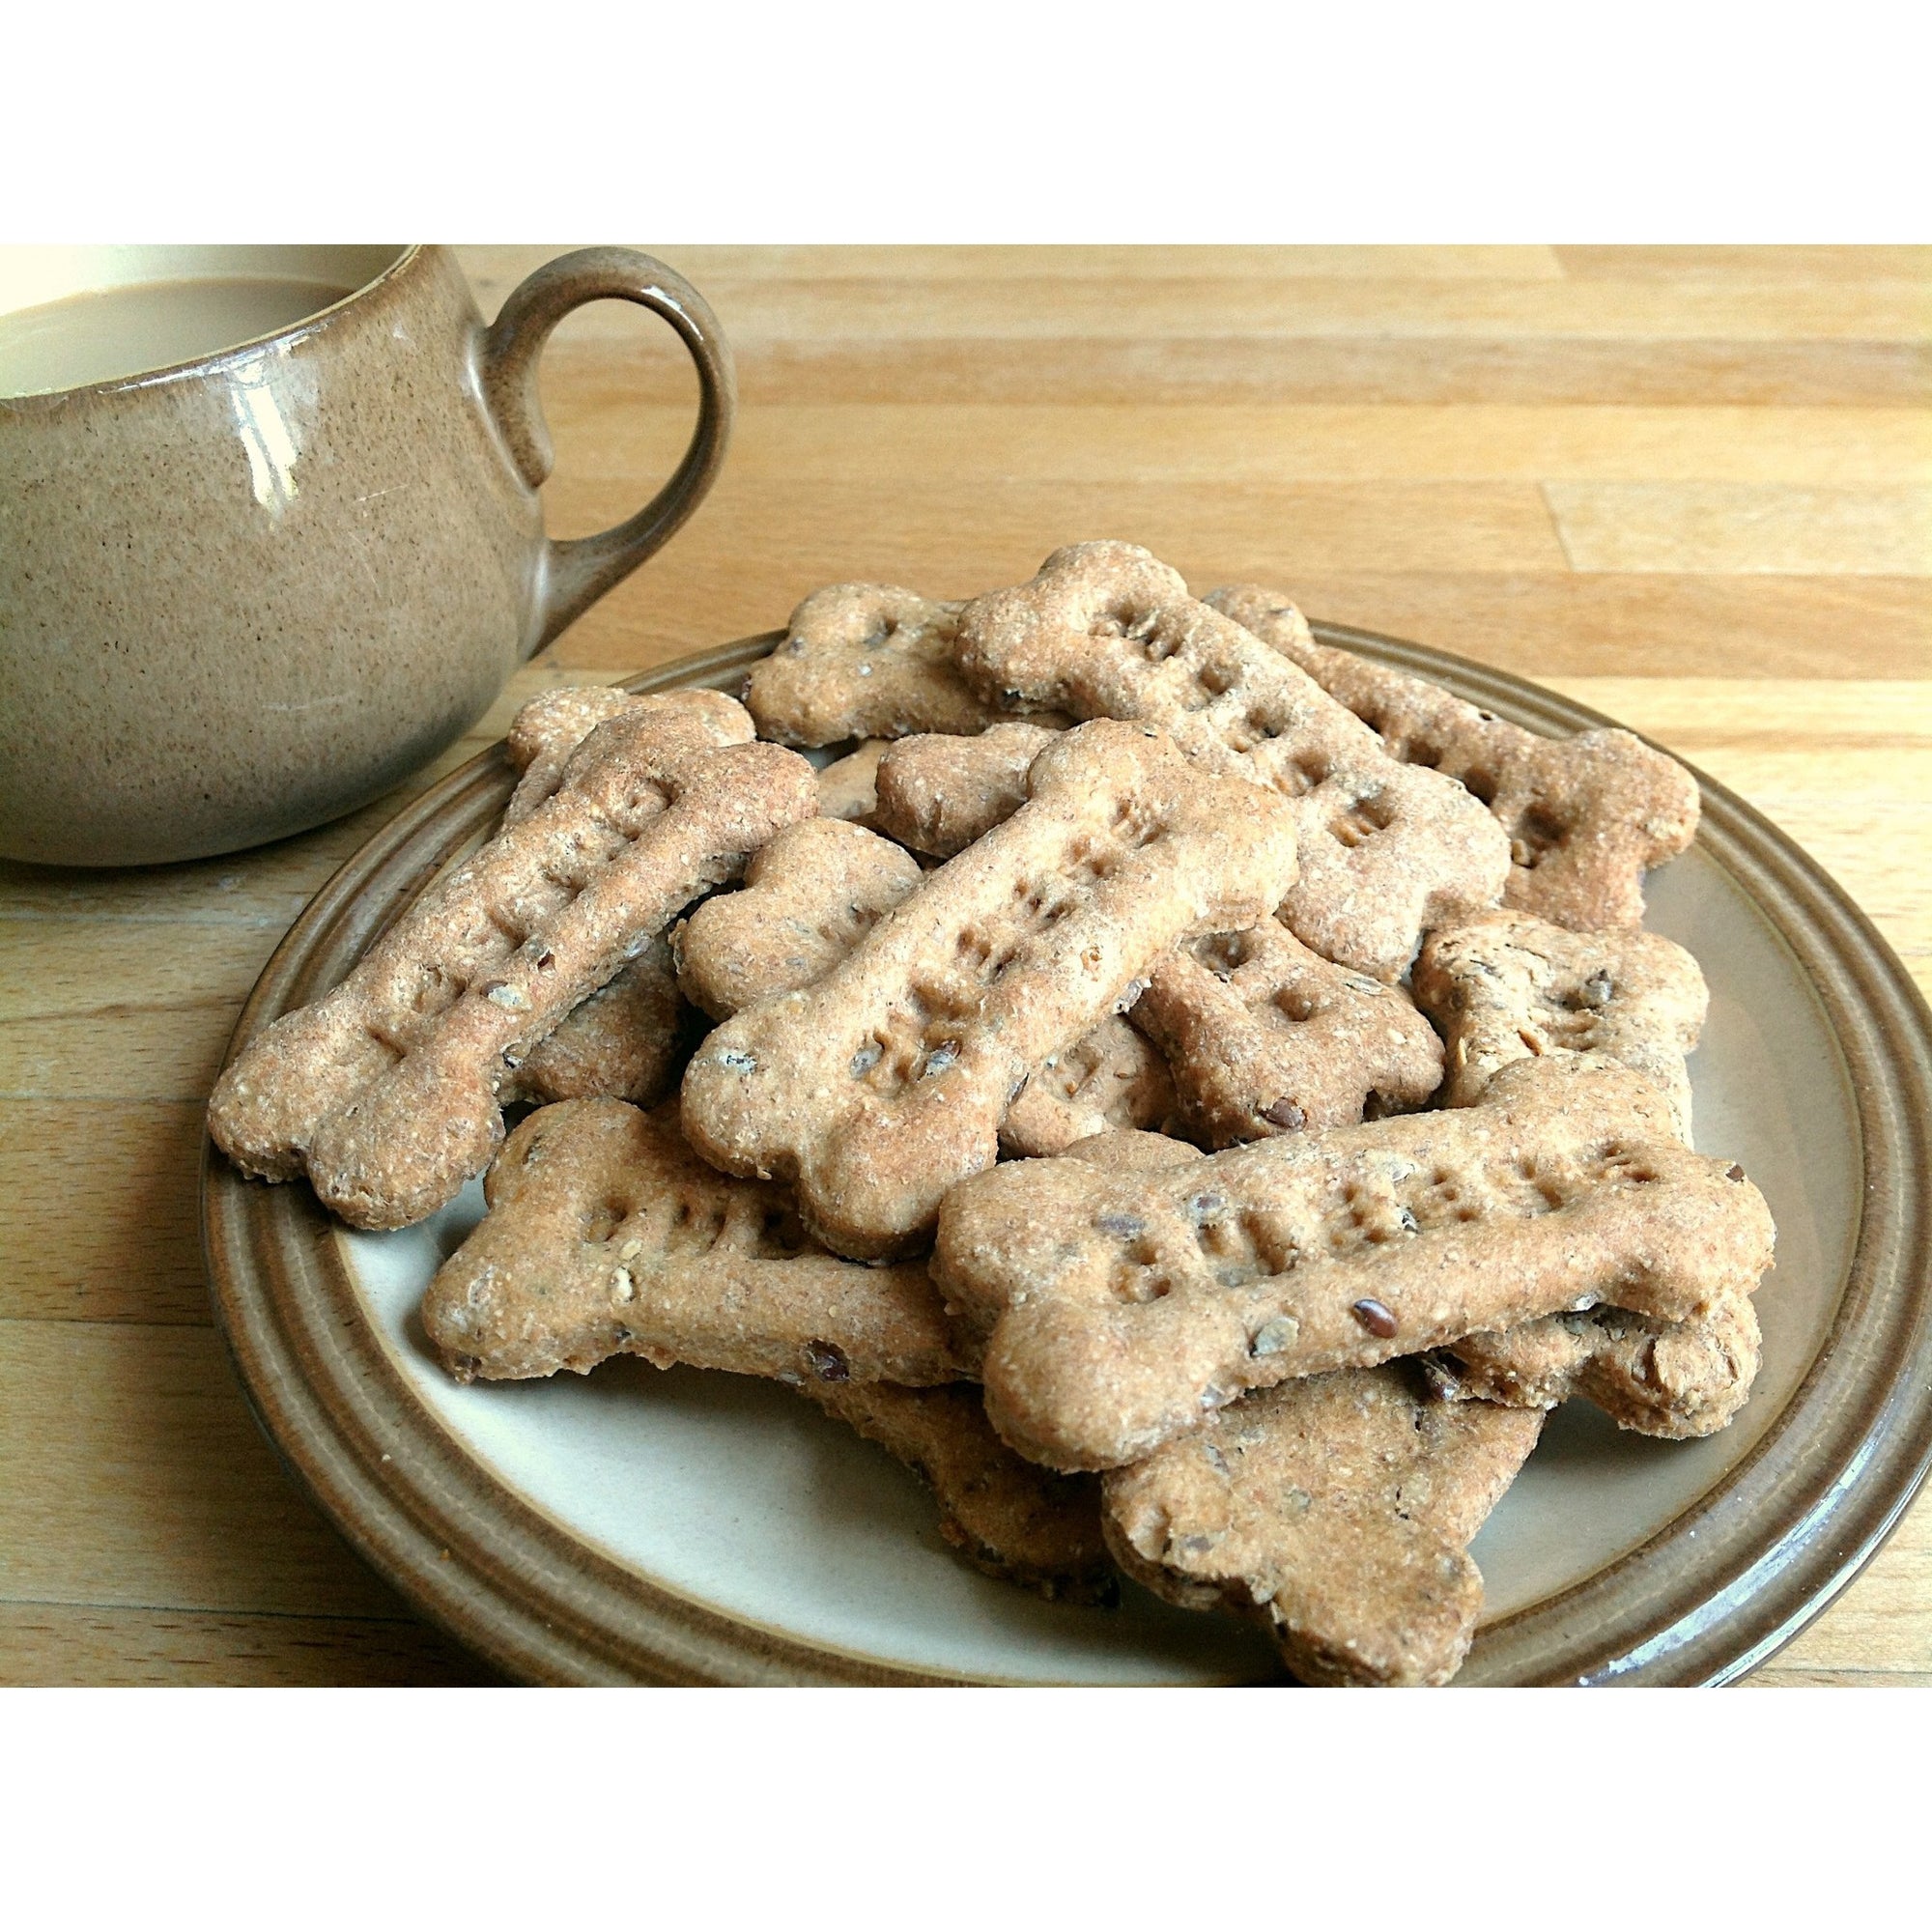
270	537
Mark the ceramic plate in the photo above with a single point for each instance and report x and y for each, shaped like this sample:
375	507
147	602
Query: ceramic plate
635	1525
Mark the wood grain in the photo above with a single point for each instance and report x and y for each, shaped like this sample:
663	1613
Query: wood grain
602	432
68	1643
132	1473
1684	486
101	1193
911	307
1738	527
1749	265
1268	325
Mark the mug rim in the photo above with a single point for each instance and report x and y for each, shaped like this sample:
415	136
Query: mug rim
406	257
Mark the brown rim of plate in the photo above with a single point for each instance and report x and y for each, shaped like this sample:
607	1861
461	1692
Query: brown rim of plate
1704	1601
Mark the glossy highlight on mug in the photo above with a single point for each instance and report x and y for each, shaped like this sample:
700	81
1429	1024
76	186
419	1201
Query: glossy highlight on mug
248	589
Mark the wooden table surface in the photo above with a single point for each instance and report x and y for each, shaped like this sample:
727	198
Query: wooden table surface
1690	487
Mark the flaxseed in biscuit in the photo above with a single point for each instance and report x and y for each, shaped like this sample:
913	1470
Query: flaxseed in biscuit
1105	630
809	897
938	794
1336	1511
1006	1516
387	1089
1264	1036
1585	815
1115	1309
886	1082
1508	986
607	1235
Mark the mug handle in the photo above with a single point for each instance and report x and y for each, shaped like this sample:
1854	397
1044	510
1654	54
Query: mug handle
574	573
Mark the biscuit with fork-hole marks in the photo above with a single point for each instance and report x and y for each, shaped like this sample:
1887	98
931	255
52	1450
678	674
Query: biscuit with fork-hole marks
1106	630
607	1235
387	1089
1109	1079
545	733
1508	986
1266	1037
1111	1311
1585	815
882	1084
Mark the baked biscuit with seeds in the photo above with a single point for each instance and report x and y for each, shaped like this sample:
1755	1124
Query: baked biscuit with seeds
1006	1517
849	786
630	1038
1113	1310
387	1089
865	661
809	897
1106	630
607	1235
1337	1512
1108	1079
628	1041
1266	1037
547	731
1585	815
886	1082
938	794
457	933
1671	1378
1508	986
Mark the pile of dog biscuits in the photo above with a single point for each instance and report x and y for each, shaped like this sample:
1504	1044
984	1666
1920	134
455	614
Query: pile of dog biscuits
1198	1096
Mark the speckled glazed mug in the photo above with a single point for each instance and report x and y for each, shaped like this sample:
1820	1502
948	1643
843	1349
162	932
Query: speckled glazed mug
243	594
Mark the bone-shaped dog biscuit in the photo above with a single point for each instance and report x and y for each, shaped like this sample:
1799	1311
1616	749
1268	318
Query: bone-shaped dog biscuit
1585	815
545	732
1507	985
938	794
386	1089
1105	630
607	1235
1336	1511
813	893
1266	1037
1006	1517
865	661
630	1038
1116	1309
809	897
882	1084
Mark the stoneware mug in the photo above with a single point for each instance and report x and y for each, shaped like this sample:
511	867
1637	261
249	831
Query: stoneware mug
269	533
